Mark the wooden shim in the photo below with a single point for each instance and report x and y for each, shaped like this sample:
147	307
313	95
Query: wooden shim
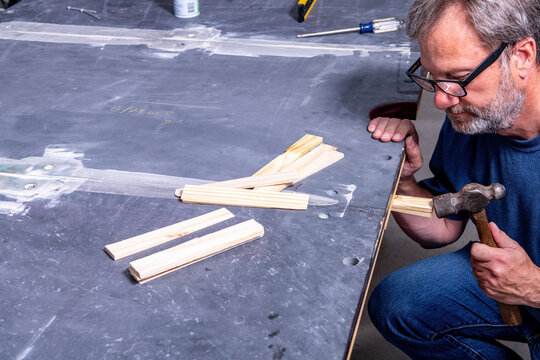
121	249
202	194
294	152
284	177
317	159
412	205
326	159
306	162
182	255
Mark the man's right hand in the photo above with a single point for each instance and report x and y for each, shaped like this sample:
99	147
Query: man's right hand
428	232
393	129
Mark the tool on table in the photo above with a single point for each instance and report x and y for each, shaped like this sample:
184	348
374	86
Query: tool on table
304	7
472	198
186	8
376	26
85	11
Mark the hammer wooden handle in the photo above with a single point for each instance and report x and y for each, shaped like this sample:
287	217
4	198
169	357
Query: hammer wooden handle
482	226
510	313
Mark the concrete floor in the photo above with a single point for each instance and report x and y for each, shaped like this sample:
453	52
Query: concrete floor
398	250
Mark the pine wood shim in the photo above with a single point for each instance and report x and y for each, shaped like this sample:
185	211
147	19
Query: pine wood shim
202	194
150	239
182	255
412	205
285	177
314	161
294	152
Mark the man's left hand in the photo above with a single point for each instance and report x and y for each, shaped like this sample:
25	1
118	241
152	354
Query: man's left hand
507	273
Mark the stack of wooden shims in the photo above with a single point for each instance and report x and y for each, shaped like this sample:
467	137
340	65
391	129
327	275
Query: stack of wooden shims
187	253
304	158
412	205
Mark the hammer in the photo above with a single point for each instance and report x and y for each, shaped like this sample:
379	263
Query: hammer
474	198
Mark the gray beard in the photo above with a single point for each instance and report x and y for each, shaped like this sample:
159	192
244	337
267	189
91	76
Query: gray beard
499	115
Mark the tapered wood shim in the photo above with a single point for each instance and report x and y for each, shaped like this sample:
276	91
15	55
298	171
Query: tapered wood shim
145	241
294	152
202	194
285	177
317	159
172	259
412	205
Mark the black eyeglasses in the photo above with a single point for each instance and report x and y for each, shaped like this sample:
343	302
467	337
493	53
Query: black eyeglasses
453	87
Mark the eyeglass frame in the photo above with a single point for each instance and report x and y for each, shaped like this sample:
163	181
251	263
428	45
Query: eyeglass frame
463	83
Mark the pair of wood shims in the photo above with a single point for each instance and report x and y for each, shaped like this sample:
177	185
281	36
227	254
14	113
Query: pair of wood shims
166	261
313	161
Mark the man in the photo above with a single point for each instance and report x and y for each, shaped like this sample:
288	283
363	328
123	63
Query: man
483	57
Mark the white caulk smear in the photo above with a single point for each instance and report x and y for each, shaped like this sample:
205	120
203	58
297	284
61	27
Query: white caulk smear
176	41
347	193
28	349
61	171
11	208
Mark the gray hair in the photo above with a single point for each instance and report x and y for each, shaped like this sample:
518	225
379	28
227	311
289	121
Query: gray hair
496	21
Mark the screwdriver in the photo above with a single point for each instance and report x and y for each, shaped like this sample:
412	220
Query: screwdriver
85	11
376	26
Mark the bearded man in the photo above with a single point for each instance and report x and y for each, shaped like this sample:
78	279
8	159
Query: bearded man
483	58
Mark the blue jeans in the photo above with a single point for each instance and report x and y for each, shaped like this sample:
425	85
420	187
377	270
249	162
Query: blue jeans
434	309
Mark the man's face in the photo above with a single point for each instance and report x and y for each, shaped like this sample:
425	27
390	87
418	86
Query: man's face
500	114
452	50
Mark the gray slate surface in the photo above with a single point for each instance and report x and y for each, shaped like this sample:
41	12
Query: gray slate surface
203	115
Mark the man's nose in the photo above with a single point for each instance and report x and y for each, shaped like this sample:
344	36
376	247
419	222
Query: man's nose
443	101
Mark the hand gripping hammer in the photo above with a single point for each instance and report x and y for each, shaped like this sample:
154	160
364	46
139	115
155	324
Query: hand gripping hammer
474	198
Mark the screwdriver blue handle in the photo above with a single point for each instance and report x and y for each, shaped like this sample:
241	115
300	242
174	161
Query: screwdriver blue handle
366	28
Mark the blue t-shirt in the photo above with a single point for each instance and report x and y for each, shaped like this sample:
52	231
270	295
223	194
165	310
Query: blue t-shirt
460	159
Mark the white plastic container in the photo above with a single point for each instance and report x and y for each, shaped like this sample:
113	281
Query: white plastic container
186	8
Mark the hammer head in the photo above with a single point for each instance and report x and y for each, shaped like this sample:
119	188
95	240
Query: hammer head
473	198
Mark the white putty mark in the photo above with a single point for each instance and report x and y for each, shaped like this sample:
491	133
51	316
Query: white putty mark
35	338
170	43
306	100
11	208
61	171
348	196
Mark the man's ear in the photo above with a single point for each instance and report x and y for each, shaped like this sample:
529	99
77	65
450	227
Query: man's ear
523	56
